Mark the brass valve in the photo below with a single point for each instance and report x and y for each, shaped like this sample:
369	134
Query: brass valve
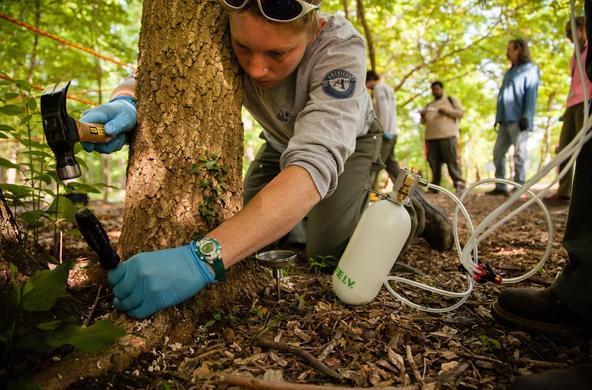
404	184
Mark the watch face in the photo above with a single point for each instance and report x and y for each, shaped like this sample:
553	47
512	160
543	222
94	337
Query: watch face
208	248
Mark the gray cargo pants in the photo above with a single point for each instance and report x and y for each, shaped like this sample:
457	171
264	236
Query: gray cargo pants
332	221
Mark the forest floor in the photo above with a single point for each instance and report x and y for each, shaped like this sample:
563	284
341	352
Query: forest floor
383	343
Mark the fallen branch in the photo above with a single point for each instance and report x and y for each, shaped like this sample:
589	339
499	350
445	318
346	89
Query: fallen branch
329	348
92	308
452	374
258	384
215	350
298	352
414	368
480	357
541	363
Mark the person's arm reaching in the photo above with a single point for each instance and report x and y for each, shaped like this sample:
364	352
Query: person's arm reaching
151	281
118	115
272	213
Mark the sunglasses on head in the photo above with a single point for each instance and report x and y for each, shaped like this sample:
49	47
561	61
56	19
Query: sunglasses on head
277	10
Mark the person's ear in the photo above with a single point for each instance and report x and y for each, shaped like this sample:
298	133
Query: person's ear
322	23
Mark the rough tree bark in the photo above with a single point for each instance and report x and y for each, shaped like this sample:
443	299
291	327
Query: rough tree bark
189	117
11	249
185	168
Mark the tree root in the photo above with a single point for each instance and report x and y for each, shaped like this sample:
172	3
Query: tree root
301	353
179	324
258	384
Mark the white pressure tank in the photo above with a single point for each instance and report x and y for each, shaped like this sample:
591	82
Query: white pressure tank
374	246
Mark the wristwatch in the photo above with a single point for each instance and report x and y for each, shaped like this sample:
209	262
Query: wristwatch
208	250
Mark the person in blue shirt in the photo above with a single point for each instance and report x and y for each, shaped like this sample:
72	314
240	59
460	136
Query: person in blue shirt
516	103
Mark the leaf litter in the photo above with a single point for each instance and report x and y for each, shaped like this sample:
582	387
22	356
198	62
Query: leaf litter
381	344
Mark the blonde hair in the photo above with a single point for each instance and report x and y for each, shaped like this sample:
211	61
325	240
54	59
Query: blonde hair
309	22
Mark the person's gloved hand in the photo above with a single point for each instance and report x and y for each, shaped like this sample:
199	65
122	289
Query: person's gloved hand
523	124
151	281
119	117
388	136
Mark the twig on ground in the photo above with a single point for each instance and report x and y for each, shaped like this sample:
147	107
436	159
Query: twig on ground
258	384
208	353
92	308
329	348
399	265
452	374
176	374
298	352
480	357
414	368
541	363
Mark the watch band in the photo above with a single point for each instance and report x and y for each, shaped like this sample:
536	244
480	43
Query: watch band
218	266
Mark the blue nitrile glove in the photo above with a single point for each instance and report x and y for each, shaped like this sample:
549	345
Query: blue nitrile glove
151	281
388	137
119	117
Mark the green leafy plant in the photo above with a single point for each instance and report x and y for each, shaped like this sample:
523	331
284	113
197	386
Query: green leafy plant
213	186
32	327
36	194
320	264
489	343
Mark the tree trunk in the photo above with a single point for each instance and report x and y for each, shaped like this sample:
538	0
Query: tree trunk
105	158
367	33
186	157
546	144
184	172
11	249
345	9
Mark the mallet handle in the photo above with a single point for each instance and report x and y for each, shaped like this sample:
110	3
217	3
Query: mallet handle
92	132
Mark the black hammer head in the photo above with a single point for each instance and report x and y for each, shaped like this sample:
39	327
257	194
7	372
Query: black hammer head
60	130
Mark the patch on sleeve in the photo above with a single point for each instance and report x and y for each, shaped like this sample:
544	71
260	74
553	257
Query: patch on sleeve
339	84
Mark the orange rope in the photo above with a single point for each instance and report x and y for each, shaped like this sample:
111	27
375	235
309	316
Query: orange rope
40	88
61	40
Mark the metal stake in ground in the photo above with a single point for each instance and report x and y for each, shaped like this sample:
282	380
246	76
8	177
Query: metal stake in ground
276	260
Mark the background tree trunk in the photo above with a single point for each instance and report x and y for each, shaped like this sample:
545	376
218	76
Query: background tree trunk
11	249
367	33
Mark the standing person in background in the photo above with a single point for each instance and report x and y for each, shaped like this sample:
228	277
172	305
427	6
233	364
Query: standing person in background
385	107
516	103
566	306
573	117
441	118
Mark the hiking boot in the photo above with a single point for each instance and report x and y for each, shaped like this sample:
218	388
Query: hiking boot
574	378
538	309
497	191
438	228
